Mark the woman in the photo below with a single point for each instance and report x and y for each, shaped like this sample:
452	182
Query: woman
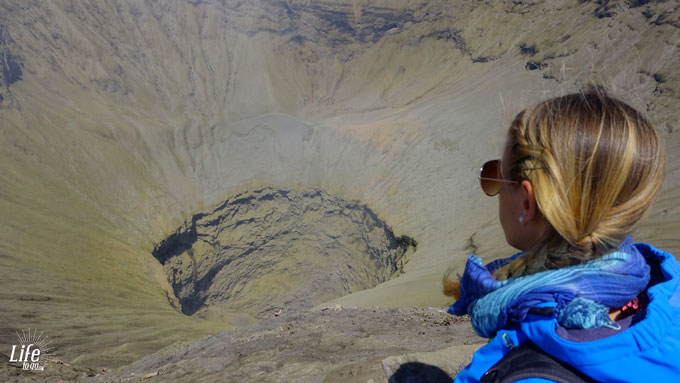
581	302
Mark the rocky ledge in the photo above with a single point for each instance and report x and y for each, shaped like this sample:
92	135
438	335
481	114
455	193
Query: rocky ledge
332	345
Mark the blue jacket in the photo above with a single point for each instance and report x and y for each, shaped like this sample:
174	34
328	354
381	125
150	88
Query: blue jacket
647	351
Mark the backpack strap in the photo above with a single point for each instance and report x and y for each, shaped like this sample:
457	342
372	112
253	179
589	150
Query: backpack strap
528	361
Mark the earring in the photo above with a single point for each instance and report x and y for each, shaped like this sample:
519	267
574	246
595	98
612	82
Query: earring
521	219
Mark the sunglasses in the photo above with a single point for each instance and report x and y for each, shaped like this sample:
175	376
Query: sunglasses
490	177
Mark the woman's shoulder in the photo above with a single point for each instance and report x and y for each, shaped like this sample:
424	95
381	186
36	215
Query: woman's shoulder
647	347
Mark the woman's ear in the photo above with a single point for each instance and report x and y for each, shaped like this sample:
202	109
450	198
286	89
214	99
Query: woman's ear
529	206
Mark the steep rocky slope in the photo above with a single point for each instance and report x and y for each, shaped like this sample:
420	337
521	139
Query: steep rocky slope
121	120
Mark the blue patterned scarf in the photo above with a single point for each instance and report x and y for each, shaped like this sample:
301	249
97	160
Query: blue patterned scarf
583	293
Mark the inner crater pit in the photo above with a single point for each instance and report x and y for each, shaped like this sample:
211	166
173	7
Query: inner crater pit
270	249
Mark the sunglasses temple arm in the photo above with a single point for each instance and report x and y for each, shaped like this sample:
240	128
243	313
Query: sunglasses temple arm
497	179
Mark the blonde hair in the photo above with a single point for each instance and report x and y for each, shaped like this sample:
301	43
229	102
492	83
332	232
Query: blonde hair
596	165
